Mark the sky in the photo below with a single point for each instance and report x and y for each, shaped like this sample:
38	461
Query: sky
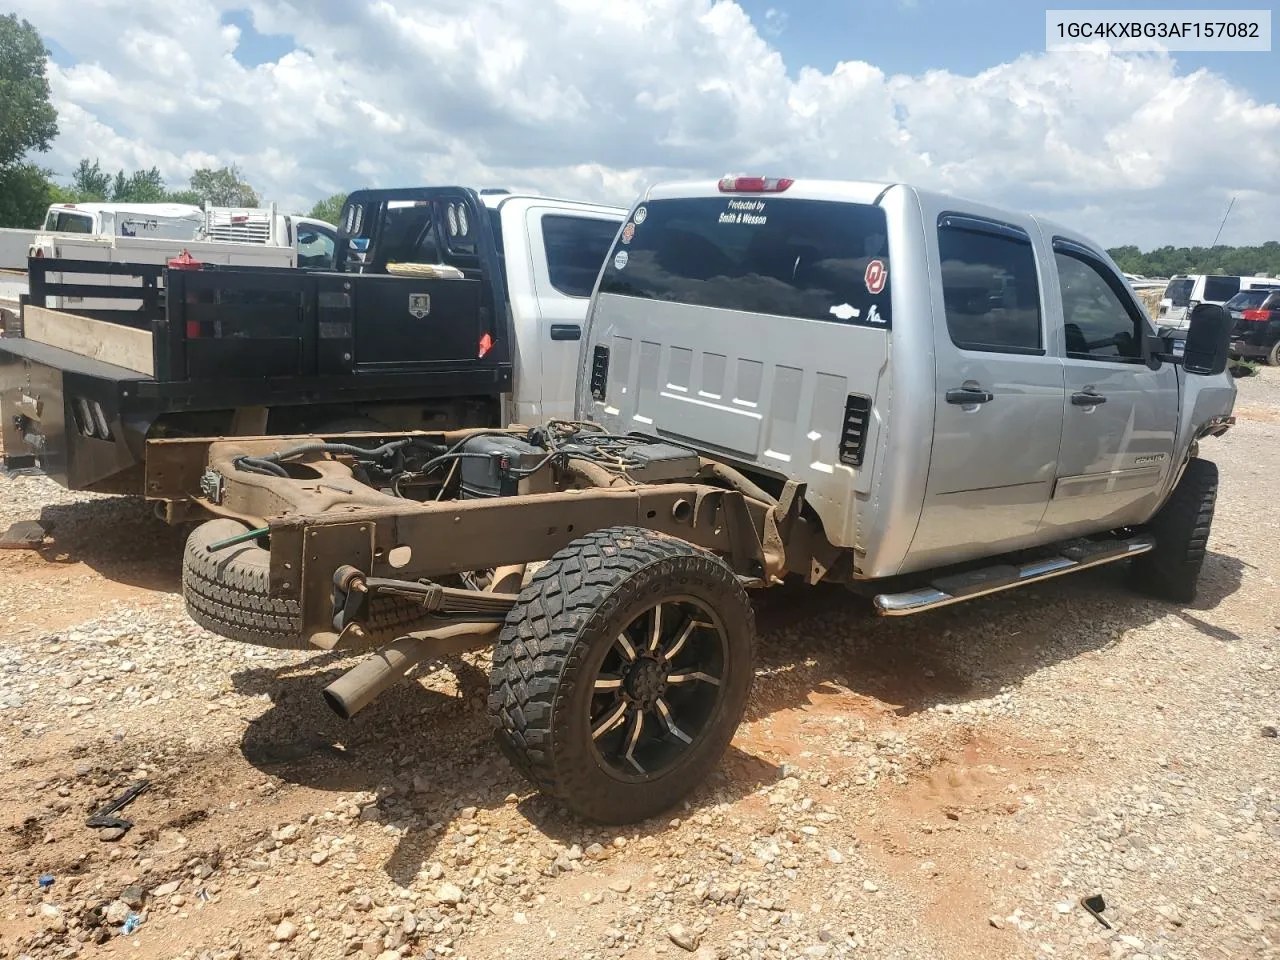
595	100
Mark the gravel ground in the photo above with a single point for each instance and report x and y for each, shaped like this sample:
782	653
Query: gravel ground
946	786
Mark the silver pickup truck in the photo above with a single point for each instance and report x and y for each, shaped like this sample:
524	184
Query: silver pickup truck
923	398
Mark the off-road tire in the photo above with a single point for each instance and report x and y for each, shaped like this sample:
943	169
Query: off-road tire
1181	529
554	640
1273	355
227	594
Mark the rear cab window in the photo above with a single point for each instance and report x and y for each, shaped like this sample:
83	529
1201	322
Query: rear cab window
806	259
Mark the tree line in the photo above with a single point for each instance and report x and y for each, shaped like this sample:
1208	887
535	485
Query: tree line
1263	260
30	124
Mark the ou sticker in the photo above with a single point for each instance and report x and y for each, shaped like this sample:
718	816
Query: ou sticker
875	277
620	259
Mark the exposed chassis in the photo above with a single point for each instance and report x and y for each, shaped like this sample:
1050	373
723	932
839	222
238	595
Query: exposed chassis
620	669
326	529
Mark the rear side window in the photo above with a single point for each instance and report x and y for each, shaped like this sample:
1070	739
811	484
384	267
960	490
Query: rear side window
576	248
1179	291
1220	289
990	288
1099	321
809	259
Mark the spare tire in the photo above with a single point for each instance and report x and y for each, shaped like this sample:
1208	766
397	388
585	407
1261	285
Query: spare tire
227	593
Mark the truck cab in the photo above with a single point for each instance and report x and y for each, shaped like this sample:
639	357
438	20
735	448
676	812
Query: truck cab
950	380
160	221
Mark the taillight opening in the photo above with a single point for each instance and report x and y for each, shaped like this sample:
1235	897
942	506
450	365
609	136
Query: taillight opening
754	184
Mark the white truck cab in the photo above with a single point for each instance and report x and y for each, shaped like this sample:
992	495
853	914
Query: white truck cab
160	221
552	251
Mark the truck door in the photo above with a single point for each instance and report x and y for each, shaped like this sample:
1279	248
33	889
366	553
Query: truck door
1121	416
567	250
999	395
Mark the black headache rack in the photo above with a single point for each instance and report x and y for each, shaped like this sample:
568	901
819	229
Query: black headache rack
223	338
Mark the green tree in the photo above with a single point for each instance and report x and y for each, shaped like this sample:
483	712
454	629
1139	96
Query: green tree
25	194
183	196
329	209
224	187
1263	260
141	186
90	182
29	123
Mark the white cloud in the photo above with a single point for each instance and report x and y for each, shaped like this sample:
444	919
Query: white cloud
580	98
775	21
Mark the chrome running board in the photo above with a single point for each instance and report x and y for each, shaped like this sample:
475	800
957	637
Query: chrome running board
1073	556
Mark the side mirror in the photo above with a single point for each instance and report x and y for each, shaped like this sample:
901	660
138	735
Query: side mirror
1208	344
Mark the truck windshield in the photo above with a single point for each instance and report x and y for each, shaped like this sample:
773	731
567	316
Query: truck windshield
810	259
1179	291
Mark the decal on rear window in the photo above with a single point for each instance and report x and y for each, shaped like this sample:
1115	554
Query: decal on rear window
808	259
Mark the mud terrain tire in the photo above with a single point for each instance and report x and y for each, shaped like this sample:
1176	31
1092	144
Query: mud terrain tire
570	620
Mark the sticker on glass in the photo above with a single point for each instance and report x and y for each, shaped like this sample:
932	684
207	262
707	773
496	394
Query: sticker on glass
845	311
628	232
875	277
640	214
620	259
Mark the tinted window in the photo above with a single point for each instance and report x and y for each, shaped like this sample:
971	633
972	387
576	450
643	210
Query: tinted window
1272	302
576	247
1099	324
1179	291
989	290
1220	289
811	259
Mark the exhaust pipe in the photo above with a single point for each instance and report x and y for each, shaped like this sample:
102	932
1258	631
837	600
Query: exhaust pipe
361	685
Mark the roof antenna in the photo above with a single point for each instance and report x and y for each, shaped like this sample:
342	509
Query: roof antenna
1223	223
